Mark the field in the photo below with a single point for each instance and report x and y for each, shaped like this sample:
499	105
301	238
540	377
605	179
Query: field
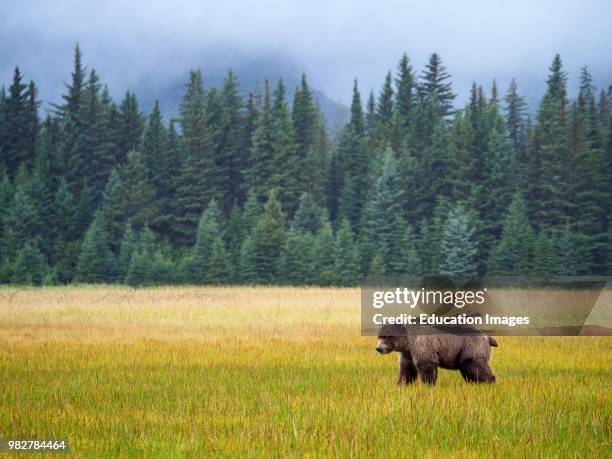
276	372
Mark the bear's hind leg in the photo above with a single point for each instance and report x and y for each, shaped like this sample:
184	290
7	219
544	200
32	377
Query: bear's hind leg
478	372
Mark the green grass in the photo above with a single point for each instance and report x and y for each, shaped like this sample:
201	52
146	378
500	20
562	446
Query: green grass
142	385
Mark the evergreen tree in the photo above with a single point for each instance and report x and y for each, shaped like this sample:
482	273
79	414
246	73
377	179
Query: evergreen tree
434	82
512	254
458	247
208	262
140	270
30	266
159	163
130	124
199	170
230	147
346	266
93	266
305	119
267	239
285	159
323	255
547	170
405	260
295	259
261	163
18	142
516	116
309	215
126	249
404	94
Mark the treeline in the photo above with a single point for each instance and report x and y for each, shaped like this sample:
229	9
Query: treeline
258	190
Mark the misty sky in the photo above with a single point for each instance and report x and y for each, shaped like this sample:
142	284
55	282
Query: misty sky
333	41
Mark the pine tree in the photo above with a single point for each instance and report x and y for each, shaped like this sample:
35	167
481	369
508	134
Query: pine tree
516	117
93	264
547	170
512	254
458	247
195	191
305	119
140	270
208	261
384	211
384	114
345	256
544	255
162	269
130	124
17	139
352	184
434	82
231	151
309	215
323	255
126	249
285	160
30	266
159	163
268	237
405	260
404	94
295	259
261	164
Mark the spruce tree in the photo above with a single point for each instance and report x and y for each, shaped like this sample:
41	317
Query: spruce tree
285	160
345	256
268	237
199	169
458	248
93	264
515	110
130	124
435	82
295	259
512	254
231	150
208	261
30	266
323	255
140	269
261	162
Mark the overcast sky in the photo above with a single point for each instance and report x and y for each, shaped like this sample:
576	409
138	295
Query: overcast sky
333	41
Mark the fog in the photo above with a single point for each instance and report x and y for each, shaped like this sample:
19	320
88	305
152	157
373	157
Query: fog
333	42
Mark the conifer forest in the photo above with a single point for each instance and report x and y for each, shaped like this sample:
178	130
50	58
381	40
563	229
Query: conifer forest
258	188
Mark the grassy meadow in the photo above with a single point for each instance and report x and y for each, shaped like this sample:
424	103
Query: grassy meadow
276	372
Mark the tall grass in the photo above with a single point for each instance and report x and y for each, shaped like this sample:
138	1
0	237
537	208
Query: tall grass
275	372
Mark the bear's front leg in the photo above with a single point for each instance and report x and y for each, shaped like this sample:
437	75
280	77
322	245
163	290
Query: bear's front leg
428	373
407	371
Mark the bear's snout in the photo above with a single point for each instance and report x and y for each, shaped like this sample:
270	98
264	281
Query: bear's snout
379	349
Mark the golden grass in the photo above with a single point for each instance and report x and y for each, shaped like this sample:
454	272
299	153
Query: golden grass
275	372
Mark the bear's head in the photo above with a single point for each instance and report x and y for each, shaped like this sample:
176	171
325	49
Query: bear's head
391	338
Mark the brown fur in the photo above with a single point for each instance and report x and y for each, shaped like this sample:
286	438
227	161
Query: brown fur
423	350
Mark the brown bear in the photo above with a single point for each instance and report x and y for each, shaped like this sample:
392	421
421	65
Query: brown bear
422	350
